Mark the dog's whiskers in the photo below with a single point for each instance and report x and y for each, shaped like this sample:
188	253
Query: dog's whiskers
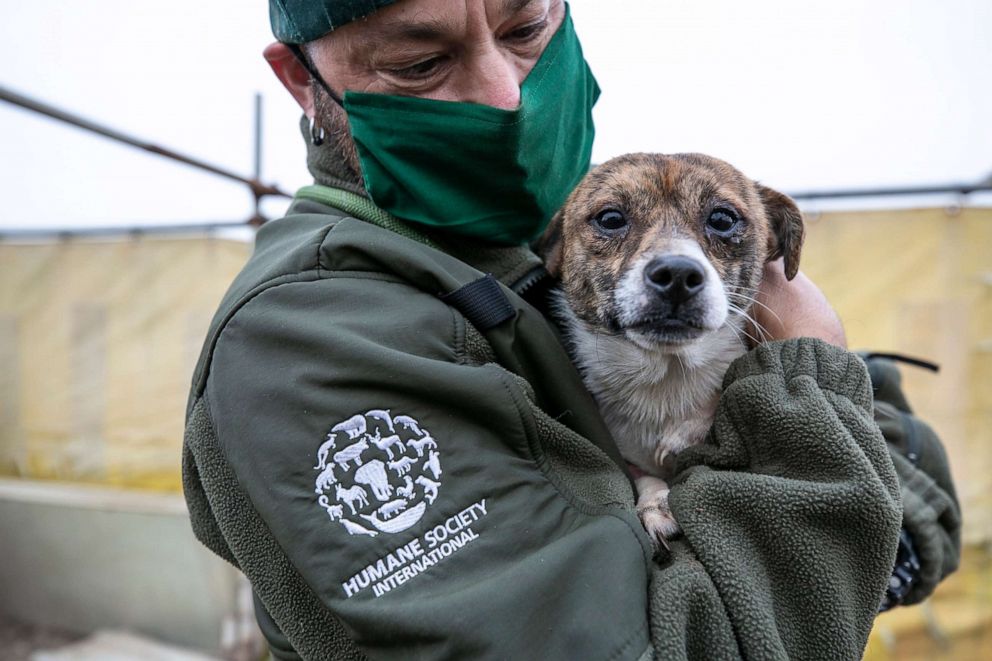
749	301
758	328
740	331
754	301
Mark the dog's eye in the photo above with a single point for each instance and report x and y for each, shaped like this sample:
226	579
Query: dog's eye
722	221
610	220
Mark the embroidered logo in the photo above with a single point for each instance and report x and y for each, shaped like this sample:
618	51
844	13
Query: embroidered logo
377	473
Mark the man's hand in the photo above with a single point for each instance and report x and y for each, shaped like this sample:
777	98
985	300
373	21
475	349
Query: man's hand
784	309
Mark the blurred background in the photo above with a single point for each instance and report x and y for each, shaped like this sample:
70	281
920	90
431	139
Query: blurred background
875	116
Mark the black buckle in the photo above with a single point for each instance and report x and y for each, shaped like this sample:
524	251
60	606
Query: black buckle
482	302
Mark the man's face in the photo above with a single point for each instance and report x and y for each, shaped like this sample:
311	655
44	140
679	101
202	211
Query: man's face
470	50
476	51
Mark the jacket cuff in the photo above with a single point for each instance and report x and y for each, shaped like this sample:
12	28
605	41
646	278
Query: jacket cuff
831	367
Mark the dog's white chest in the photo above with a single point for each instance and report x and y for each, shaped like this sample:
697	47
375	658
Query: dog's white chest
654	403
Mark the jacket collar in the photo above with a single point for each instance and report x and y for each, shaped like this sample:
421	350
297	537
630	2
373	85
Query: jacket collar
511	265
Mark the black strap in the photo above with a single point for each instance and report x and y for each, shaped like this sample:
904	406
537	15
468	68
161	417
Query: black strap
482	302
909	360
311	68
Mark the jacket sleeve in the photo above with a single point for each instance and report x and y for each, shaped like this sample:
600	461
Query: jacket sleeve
931	513
387	497
790	515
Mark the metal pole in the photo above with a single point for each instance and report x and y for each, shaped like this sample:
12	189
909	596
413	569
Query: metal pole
960	189
258	136
258	219
258	188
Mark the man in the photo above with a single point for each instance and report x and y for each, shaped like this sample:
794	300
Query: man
394	447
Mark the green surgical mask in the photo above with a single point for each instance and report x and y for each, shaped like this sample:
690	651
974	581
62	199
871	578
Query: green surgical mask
476	170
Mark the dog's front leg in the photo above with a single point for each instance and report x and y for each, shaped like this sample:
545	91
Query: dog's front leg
652	509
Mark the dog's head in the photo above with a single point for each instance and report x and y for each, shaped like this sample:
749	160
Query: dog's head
666	248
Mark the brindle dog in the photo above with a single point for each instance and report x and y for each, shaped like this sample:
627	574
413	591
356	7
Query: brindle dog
660	257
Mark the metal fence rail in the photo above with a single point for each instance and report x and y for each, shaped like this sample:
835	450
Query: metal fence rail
951	189
258	188
176	229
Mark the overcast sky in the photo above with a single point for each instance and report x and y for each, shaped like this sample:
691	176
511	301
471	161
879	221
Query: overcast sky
847	93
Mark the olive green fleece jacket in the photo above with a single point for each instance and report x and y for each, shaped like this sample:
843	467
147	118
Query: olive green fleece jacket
397	483
931	512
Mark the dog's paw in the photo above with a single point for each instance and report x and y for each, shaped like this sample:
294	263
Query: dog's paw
657	519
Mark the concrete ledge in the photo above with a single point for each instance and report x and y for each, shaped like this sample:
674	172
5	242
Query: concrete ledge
85	558
88	496
119	646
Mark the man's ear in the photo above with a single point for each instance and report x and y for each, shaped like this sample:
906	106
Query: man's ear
291	73
787	230
550	245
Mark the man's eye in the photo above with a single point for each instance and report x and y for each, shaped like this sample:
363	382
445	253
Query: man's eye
420	70
527	32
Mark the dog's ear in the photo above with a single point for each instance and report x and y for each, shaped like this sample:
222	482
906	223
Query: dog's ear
550	245
787	230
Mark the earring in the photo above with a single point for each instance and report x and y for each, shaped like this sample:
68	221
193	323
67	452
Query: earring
316	133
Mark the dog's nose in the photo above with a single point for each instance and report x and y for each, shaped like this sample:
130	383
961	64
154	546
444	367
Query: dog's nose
676	277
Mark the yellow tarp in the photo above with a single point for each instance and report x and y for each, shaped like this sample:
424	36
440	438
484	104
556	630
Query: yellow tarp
98	340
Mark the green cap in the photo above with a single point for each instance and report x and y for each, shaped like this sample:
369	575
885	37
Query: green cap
300	21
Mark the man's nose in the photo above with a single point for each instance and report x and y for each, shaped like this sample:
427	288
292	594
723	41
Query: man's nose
496	80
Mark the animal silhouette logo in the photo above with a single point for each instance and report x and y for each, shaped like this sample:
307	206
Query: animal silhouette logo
376	472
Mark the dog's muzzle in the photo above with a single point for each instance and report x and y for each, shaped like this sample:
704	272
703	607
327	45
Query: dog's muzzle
670	297
675	277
